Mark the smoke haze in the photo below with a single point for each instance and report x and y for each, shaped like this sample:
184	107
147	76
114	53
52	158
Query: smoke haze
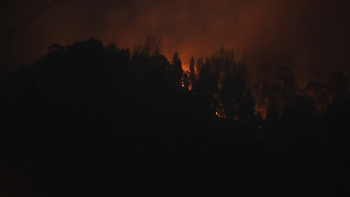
311	36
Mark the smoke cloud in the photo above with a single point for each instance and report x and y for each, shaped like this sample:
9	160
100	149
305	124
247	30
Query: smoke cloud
311	36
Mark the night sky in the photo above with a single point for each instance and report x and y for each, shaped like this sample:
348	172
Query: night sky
313	34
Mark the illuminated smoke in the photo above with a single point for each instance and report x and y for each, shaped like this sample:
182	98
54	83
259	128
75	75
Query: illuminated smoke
314	33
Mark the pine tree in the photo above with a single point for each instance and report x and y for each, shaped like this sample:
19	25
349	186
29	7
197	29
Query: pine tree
192	77
177	69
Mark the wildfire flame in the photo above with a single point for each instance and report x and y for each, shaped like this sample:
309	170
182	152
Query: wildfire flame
220	115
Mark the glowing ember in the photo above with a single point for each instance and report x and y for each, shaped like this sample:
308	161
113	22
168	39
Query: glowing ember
190	87
219	115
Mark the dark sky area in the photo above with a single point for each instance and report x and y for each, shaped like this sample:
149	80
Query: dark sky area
312	36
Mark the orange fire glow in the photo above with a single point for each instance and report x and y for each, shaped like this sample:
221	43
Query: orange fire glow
185	56
261	108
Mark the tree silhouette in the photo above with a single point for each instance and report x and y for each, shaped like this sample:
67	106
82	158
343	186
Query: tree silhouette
176	69
227	91
192	74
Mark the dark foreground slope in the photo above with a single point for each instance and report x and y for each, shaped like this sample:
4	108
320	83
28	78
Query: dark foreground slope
120	156
86	121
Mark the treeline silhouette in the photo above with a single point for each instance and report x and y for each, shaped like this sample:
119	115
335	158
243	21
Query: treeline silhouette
105	121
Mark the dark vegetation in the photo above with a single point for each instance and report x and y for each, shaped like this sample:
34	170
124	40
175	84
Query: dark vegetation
96	121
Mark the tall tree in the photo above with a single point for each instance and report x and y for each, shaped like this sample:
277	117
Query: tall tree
176	68
192	73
